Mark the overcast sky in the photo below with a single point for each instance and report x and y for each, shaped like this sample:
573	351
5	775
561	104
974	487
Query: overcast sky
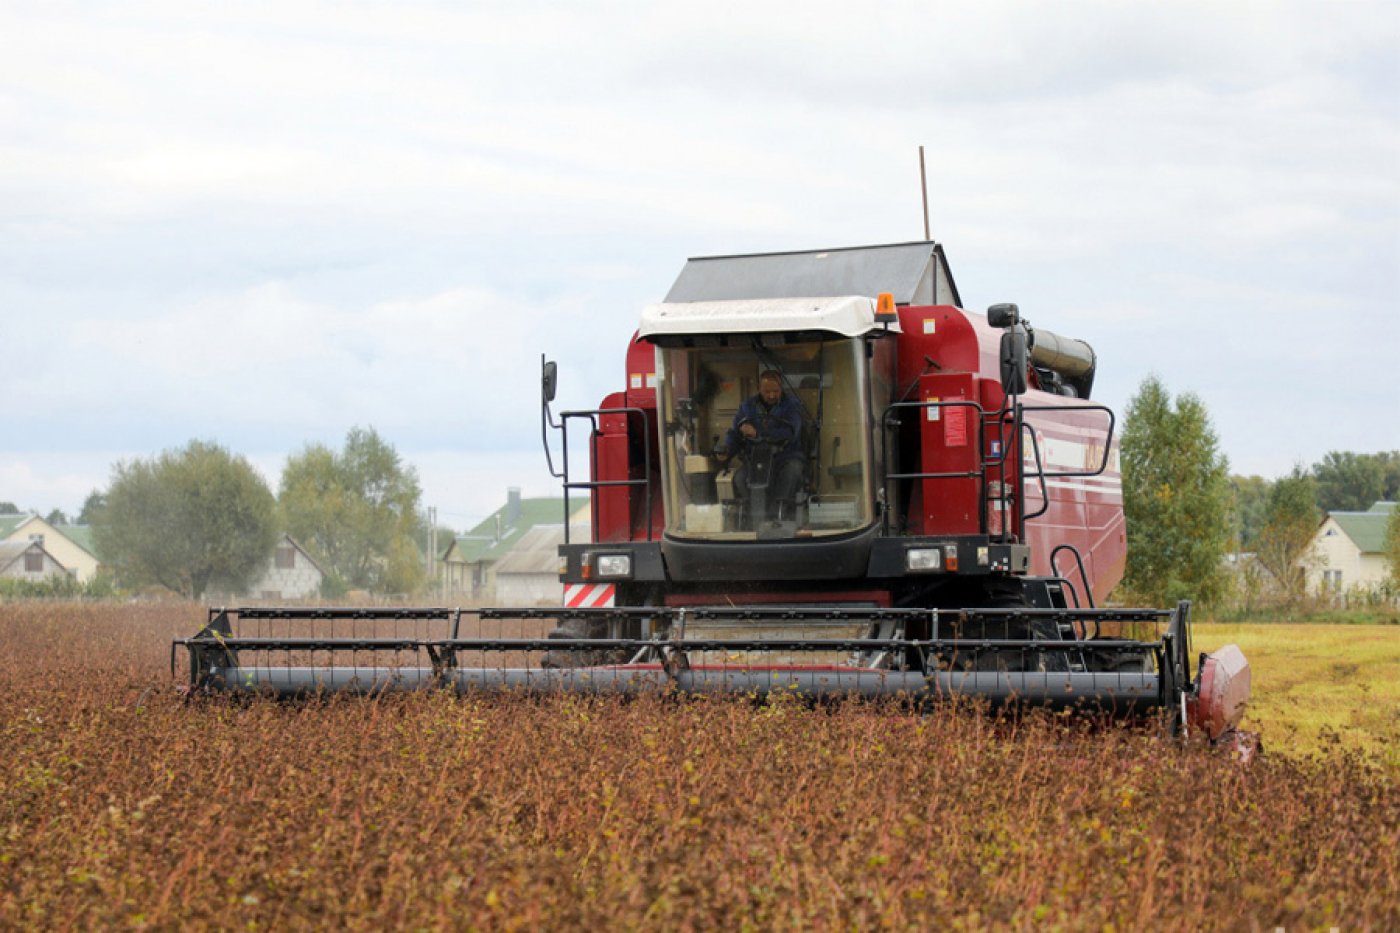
265	223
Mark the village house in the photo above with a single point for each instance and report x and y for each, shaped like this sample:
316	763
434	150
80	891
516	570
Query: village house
28	560
291	573
1347	551
471	564
528	574
70	545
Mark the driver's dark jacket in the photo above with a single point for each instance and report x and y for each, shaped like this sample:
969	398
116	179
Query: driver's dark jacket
781	424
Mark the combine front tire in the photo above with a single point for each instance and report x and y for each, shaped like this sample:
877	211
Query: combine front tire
573	657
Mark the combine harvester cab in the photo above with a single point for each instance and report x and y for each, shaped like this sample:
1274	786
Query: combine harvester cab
821	476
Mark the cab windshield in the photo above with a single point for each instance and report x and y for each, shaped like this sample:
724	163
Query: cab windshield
768	439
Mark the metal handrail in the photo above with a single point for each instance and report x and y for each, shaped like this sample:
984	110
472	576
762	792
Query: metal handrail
1108	438
1083	576
1040	475
979	473
593	415
1040	472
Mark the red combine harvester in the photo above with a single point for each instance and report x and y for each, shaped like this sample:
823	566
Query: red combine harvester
823	476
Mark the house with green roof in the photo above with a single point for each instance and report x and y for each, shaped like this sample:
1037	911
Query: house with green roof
469	562
1348	550
70	545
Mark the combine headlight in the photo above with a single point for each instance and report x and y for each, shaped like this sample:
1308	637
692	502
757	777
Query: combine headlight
614	565
923	558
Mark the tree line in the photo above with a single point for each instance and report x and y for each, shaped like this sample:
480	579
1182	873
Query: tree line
201	518
1186	512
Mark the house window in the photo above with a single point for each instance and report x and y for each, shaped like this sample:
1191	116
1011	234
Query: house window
1332	579
33	562
286	558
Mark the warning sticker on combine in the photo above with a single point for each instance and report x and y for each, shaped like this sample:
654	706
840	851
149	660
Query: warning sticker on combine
588	595
955	428
933	410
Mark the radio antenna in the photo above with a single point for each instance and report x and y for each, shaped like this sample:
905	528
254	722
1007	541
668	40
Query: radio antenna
923	183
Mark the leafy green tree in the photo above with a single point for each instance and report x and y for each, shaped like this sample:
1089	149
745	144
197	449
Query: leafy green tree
1391	548
91	506
356	510
1249	500
1289	525
1390	467
8	508
186	520
56	517
1349	482
1176	497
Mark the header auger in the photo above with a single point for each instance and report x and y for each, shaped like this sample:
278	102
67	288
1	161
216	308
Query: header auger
823	477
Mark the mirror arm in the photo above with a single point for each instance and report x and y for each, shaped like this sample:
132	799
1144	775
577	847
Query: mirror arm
547	386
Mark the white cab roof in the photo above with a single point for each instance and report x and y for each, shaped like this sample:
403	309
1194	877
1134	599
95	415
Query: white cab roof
850	316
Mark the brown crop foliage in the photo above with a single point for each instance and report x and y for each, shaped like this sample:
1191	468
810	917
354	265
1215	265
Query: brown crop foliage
123	808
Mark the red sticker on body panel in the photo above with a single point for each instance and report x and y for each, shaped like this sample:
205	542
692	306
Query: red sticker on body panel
955	427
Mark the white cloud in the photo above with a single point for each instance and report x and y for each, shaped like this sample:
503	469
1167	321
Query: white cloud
462	362
43	480
465	487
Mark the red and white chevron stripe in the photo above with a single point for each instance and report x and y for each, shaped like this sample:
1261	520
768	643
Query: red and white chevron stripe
588	595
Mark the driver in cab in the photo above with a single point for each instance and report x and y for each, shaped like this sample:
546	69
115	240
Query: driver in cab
775	417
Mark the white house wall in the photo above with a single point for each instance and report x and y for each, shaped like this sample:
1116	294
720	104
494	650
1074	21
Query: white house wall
1333	550
458	578
528	589
74	558
300	581
15	569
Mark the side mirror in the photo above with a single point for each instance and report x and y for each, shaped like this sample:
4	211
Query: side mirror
1003	315
1013	360
549	379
